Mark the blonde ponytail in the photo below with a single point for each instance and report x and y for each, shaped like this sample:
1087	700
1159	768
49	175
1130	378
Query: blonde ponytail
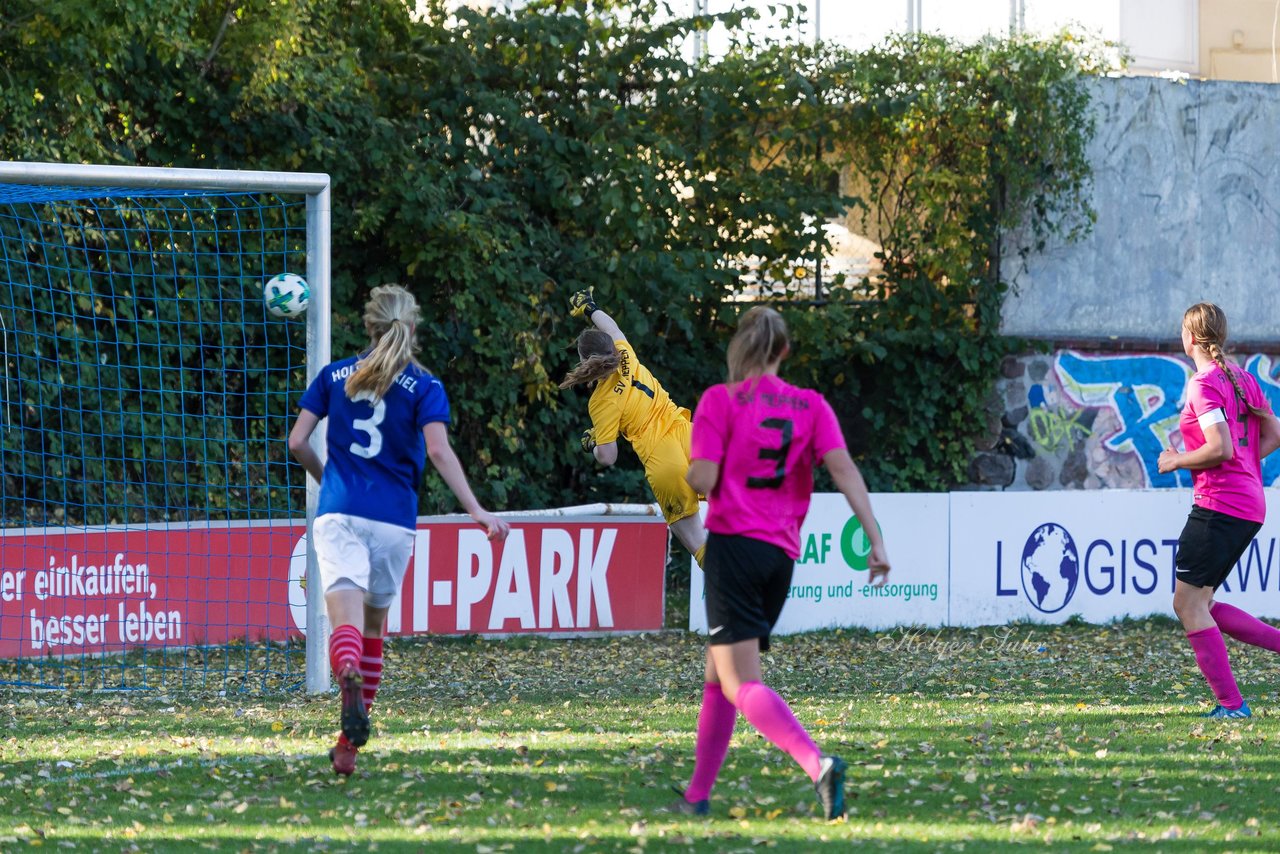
761	339
390	316
1207	324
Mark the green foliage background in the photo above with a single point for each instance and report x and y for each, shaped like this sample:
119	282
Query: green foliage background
495	164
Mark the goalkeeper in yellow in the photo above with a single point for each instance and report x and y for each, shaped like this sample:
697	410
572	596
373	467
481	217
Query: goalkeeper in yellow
628	401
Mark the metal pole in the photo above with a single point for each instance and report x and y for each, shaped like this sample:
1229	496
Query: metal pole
817	267
817	275
700	36
583	510
318	355
145	177
915	16
1017	17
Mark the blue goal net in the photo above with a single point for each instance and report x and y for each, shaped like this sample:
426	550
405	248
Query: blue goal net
153	527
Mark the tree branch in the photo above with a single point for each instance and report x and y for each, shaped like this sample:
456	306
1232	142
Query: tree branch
227	17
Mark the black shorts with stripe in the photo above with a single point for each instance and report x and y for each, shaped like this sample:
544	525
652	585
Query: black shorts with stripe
1210	544
747	581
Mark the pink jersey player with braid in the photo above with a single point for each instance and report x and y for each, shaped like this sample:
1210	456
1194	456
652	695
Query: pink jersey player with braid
755	443
1227	428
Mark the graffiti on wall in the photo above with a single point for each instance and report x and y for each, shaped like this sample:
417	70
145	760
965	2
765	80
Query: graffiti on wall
1094	420
1142	391
1051	426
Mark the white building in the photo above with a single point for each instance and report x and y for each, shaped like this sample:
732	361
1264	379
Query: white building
1216	39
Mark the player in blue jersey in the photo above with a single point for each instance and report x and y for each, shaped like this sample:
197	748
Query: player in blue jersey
386	413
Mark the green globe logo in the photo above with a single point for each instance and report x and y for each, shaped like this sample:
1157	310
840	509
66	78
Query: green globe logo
854	545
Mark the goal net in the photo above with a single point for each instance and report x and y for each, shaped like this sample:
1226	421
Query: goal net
153	528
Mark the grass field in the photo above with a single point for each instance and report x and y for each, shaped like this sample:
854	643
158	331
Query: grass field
1081	736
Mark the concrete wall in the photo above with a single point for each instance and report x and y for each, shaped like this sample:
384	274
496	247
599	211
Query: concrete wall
1187	191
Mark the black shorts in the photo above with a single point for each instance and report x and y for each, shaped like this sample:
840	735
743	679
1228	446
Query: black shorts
1210	544
747	583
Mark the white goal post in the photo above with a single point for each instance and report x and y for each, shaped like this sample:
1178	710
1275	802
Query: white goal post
118	180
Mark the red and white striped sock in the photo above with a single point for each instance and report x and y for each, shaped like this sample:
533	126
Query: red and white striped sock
344	648
371	669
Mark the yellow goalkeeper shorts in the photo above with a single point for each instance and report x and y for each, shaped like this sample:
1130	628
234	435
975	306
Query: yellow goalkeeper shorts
665	468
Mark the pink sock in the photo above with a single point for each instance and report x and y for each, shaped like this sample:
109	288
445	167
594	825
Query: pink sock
371	670
344	648
1211	655
1245	627
770	714
715	728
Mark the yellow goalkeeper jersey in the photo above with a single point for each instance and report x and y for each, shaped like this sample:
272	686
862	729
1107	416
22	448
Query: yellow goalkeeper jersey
631	403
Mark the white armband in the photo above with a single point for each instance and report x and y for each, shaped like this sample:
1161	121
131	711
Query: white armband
1213	416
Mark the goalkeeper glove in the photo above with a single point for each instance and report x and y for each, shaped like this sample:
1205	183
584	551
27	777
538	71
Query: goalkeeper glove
583	304
589	440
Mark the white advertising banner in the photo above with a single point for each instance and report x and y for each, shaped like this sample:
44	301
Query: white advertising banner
830	586
1100	555
991	558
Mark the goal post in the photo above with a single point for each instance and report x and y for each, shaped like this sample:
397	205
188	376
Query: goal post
146	399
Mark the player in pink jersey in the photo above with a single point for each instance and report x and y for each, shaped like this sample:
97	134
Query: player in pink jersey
755	443
1227	428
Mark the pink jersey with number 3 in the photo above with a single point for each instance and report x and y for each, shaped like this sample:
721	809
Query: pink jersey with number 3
766	436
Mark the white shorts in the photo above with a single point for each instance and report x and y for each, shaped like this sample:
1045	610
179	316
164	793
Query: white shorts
360	554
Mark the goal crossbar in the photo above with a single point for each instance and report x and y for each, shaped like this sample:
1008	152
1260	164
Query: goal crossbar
147	177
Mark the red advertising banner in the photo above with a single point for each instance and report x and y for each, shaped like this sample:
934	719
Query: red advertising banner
75	591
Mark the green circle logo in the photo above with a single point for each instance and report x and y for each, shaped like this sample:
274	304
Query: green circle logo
854	545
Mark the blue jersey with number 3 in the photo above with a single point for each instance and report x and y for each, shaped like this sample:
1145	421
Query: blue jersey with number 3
376	448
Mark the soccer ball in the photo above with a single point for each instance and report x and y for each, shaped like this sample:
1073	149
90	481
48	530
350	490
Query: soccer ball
286	295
